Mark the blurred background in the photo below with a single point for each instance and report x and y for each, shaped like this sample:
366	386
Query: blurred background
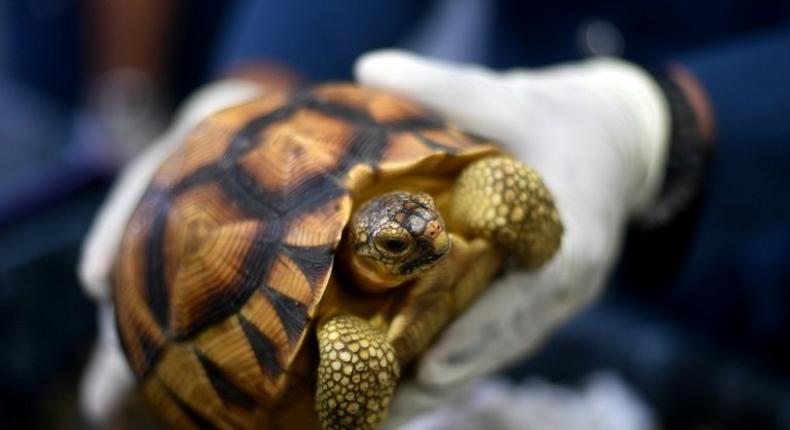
696	323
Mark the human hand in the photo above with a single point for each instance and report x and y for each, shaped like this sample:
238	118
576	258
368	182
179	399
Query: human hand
597	132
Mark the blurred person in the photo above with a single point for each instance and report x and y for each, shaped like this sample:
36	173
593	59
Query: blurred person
83	85
693	153
86	86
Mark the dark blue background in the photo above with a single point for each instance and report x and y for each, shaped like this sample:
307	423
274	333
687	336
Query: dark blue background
726	305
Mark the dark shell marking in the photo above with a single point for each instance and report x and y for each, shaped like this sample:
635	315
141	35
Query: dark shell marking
239	225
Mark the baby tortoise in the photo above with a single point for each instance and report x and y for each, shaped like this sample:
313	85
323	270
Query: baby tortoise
298	250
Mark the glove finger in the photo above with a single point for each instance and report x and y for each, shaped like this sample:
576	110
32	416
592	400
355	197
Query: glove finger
508	321
484	337
467	95
108	380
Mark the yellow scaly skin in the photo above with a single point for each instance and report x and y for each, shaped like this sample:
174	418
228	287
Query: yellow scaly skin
357	374
504	200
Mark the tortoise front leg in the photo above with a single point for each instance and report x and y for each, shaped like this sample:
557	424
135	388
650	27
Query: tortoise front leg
506	201
357	374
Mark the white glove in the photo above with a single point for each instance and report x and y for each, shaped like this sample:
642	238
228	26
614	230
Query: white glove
603	402
597	132
108	378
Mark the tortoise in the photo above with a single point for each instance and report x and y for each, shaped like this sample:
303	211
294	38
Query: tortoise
300	249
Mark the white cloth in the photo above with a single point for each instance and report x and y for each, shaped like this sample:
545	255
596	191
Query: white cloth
597	132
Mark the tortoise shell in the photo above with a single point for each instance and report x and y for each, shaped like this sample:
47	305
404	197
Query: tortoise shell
230	250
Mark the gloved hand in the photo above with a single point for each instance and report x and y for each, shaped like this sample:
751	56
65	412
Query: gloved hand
108	377
597	132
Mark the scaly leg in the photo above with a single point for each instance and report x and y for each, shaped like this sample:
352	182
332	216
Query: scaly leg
357	374
504	200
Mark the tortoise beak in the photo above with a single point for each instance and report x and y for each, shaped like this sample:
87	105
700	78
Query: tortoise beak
441	243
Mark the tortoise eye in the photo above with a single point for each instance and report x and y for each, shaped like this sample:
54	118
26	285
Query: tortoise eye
393	245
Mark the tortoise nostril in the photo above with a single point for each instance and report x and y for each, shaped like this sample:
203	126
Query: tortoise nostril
433	229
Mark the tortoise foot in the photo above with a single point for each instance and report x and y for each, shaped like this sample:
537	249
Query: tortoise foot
502	199
357	374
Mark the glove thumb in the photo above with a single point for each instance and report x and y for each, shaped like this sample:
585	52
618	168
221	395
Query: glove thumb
465	94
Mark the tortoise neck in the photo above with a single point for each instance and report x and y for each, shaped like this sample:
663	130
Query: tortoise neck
371	280
364	274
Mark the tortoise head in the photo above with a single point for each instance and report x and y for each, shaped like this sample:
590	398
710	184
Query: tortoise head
396	237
